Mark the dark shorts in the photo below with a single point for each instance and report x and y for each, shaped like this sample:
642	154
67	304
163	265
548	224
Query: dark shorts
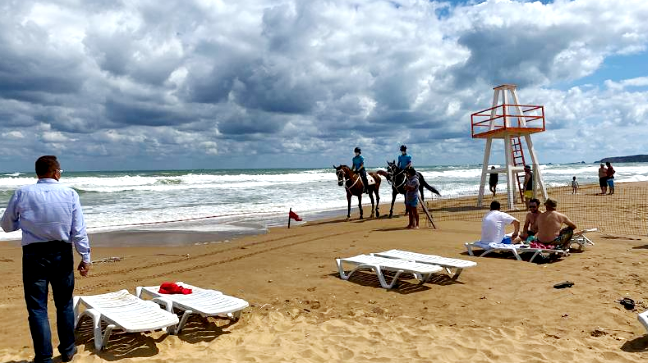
603	182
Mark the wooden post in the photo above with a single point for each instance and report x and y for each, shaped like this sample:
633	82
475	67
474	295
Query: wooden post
289	218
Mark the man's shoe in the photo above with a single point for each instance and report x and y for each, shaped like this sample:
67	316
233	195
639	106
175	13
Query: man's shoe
68	358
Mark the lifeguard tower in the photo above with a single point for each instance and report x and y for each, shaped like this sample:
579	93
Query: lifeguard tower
510	122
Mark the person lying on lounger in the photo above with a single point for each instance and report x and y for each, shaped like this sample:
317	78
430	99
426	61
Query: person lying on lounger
550	234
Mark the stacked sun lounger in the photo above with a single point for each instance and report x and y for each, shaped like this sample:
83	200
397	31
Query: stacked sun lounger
421	266
486	248
129	313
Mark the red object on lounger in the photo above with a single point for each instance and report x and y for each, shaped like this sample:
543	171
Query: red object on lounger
173	288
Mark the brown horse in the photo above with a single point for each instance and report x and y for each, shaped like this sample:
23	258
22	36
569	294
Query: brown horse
353	185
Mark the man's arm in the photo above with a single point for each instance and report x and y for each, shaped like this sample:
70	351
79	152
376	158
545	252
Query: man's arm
10	218
527	224
79	236
568	222
516	224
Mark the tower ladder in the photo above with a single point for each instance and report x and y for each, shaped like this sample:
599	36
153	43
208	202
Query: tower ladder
518	160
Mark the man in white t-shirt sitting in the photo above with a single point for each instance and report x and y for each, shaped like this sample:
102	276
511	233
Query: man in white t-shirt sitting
494	226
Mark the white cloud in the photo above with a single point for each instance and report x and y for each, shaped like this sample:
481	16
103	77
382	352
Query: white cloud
209	80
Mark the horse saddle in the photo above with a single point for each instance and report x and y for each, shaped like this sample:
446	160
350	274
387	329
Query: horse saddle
370	180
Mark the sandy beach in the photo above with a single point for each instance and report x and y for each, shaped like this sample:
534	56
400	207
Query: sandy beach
503	310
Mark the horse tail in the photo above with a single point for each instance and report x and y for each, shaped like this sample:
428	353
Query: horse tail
426	185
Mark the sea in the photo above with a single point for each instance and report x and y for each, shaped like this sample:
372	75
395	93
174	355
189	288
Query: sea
239	202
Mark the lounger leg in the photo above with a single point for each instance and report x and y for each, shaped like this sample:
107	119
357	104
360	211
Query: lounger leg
183	321
469	248
534	255
485	253
75	303
100	341
382	280
457	273
343	276
517	255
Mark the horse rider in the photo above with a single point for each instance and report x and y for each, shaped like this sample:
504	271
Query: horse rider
404	160
358	167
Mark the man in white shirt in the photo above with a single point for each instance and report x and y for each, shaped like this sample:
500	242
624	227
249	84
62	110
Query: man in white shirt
494	225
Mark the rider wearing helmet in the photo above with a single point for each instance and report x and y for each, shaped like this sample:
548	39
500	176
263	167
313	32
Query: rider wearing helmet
358	167
404	160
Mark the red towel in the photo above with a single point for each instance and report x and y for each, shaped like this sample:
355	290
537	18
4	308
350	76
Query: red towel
173	288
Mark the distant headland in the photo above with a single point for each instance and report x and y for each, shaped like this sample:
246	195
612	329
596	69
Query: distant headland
625	159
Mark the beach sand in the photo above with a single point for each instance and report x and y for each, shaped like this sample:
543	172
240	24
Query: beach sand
502	310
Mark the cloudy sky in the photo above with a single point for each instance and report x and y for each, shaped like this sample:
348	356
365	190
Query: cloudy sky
300	83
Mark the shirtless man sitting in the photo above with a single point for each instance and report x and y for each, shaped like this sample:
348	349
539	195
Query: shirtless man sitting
549	224
530	221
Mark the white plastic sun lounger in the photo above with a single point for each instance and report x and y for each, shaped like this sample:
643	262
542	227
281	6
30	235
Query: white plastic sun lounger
516	249
582	240
121	310
643	318
421	271
201	301
445	262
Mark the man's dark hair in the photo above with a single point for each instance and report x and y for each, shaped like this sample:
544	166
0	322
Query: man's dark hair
46	164
607	163
535	200
410	171
495	205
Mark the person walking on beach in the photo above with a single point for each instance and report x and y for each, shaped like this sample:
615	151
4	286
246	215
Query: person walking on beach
494	226
602	173
404	160
530	228
411	198
610	177
358	167
528	185
575	186
550	233
493	179
50	217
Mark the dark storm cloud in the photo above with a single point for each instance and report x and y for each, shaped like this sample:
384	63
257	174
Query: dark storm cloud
144	114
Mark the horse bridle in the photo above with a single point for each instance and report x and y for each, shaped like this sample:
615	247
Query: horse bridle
342	176
394	175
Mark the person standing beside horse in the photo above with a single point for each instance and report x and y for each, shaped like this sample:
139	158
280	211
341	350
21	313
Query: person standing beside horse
404	160
411	198
358	167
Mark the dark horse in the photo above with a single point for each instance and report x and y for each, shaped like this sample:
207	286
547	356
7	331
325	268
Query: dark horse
353	185
396	176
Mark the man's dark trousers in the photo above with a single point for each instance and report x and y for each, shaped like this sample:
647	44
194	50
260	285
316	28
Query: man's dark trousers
49	263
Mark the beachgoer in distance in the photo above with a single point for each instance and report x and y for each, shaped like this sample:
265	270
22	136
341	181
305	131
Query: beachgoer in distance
493	180
602	173
411	198
50	217
531	220
358	167
404	160
550	223
528	185
610	177
494	225
575	186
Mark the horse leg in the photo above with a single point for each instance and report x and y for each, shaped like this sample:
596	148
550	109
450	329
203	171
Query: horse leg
391	210
348	205
360	205
377	203
372	203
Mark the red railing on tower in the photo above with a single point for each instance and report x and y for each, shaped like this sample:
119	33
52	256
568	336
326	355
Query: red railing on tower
481	121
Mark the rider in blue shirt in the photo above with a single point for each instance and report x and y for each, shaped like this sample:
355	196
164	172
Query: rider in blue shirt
358	167
404	160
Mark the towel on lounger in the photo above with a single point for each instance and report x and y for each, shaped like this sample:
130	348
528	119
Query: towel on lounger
173	288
